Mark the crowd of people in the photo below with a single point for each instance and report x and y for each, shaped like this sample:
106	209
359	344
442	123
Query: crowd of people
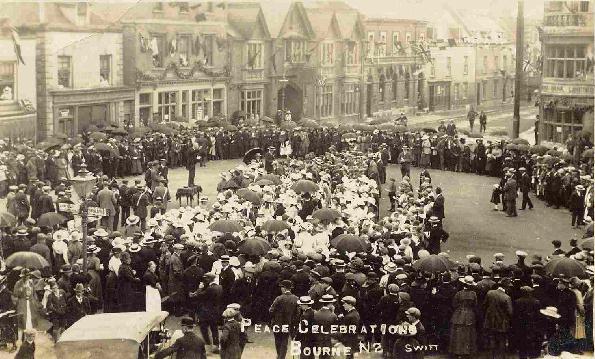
297	231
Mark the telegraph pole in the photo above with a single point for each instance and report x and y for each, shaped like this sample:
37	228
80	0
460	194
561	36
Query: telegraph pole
520	30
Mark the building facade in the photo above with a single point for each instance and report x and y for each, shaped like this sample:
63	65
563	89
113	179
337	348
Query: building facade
178	60
78	59
494	74
17	88
567	88
394	70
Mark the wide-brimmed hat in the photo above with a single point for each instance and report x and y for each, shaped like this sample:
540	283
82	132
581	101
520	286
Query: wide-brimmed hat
101	233
93	249
434	219
249	267
134	248
305	300
467	280
390	267
550	312
132	220
327	298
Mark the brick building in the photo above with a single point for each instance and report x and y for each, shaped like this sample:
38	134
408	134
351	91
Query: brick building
394	74
567	89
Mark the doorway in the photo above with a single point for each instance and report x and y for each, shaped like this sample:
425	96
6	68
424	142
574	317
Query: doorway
291	98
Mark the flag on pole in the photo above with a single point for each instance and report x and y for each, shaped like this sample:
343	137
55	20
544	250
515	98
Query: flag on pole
17	44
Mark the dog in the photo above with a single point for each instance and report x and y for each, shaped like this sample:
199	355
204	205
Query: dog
189	193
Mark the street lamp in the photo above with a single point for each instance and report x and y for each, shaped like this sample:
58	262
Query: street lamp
83	184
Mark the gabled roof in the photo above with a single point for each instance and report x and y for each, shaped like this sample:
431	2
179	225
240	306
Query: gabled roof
246	18
321	22
275	13
350	24
298	9
27	14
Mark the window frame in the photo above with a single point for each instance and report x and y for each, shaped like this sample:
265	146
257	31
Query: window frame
295	54
465	65
251	101
259	60
60	68
327	53
101	68
10	81
350	100
169	105
395	49
327	101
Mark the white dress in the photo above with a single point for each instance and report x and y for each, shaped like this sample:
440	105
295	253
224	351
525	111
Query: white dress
285	149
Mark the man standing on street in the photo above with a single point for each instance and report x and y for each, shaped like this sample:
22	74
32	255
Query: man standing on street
525	187
190	346
576	205
498	313
107	200
510	195
483	121
125	201
471	117
405	159
284	312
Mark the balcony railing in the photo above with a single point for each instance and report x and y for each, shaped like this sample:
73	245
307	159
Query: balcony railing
577	20
253	74
390	59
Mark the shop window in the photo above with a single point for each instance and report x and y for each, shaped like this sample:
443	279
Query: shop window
251	102
7	81
65	122
218	102
105	70
65	71
166	106
326	109
145	107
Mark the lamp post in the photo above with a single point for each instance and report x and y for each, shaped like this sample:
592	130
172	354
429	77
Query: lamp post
82	184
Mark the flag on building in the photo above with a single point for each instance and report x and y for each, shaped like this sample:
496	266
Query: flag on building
6	28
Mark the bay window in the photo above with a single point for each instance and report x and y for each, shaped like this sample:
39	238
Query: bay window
166	106
251	102
326	108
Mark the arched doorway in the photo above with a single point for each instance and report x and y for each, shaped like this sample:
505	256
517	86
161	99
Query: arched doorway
291	98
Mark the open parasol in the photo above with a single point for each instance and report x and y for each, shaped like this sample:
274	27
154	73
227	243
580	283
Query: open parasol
107	148
251	154
326	214
265	182
249	195
254	246
350	243
271	177
226	226
274	225
433	264
565	266
587	244
51	219
98	136
304	186
26	260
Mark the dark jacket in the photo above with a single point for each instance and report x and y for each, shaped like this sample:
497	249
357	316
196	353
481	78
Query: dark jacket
210	303
190	346
284	309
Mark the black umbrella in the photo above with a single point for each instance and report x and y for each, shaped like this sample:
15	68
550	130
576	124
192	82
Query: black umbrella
251	154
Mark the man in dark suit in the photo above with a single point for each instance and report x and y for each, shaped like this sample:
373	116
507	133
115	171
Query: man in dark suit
125	201
325	318
497	318
524	332
210	307
78	305
438	208
510	194
140	202
45	201
283	311
576	205
305	321
190	346
525	186
301	278
351	317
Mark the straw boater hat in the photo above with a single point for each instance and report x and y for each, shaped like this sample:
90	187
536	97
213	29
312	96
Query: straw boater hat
101	233
550	312
305	300
132	220
467	280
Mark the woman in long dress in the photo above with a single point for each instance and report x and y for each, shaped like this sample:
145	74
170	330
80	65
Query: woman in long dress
463	334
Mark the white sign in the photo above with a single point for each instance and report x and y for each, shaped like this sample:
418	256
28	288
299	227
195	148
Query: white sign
97	212
199	113
559	129
67	207
65	112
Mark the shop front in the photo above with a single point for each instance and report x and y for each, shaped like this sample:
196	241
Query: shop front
439	95
75	112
